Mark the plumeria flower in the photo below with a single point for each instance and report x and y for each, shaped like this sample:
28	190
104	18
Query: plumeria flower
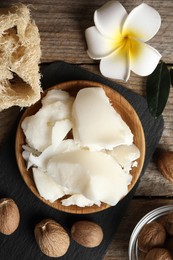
119	40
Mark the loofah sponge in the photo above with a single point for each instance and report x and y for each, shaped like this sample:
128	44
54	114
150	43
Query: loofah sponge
19	58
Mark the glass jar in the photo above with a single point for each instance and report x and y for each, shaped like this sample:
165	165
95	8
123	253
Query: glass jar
134	253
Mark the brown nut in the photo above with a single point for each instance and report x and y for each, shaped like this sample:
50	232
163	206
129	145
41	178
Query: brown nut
141	255
158	254
162	220
87	233
51	238
169	245
169	224
164	162
152	234
9	216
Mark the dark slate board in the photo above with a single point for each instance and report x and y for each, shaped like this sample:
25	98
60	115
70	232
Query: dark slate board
21	244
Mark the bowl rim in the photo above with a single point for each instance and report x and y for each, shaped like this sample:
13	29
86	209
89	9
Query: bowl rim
66	86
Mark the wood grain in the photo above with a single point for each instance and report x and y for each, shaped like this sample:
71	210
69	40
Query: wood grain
127	113
62	25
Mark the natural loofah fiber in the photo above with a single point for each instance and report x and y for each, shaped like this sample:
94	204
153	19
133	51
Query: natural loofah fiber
20	54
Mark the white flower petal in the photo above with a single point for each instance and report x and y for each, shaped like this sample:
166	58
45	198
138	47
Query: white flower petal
98	45
116	65
146	60
109	19
143	22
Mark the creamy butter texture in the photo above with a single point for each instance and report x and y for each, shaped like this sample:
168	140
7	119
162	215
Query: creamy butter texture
91	167
97	125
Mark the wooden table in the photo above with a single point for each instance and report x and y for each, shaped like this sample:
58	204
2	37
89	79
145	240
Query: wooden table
62	24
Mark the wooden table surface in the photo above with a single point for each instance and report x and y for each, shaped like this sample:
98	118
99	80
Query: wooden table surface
62	24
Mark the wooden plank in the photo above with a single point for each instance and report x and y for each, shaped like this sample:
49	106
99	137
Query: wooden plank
135	83
67	41
118	249
62	27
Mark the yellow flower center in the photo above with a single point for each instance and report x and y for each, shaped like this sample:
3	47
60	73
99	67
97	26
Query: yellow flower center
129	45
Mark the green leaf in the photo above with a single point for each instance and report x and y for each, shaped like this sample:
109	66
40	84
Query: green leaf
171	75
157	89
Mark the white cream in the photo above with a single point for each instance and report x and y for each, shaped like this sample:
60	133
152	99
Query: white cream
60	130
94	166
54	95
79	200
125	155
52	150
95	175
96	123
38	128
46	186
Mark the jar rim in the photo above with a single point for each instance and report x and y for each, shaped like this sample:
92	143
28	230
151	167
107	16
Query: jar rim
150	216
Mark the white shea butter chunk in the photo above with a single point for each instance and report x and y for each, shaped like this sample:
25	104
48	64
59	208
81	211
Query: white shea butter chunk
125	155
79	200
96	123
46	186
52	150
38	128
60	130
55	95
95	175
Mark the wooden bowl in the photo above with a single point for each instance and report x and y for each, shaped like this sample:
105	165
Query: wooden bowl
120	104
